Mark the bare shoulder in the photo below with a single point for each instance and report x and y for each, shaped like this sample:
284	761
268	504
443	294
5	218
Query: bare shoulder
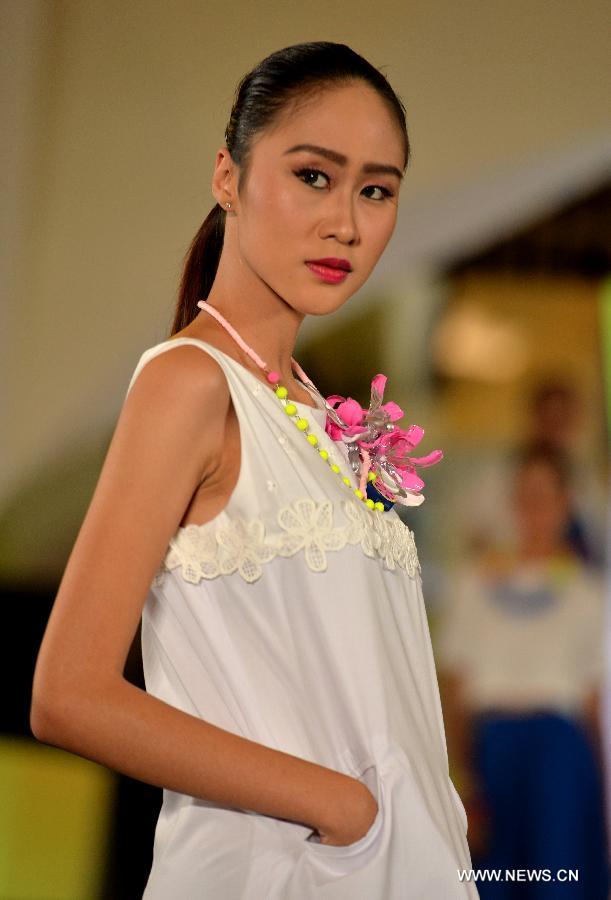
184	368
185	390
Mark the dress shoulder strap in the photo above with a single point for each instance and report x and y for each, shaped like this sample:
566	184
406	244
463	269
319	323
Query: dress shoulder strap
157	349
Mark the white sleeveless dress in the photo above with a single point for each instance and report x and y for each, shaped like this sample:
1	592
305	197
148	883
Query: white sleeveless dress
295	618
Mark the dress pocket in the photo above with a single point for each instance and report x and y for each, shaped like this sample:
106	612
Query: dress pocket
369	774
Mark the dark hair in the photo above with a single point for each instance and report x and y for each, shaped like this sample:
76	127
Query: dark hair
283	80
544	453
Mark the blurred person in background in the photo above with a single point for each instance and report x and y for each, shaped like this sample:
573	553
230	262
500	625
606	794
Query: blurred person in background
519	646
556	417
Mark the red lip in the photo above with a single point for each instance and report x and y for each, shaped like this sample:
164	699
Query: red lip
333	262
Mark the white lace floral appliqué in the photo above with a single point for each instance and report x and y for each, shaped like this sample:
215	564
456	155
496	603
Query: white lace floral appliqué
308	526
305	525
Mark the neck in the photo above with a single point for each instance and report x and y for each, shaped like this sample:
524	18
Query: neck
261	317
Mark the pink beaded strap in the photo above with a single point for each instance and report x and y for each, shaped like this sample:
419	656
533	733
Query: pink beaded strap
272	376
203	304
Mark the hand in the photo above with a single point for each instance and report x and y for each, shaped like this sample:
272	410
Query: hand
354	814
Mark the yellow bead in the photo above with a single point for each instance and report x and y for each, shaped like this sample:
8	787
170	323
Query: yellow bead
312	439
335	467
281	391
358	493
346	480
324	454
290	409
302	424
371	476
379	506
369	503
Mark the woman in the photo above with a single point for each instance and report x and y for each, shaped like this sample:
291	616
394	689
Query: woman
292	713
520	649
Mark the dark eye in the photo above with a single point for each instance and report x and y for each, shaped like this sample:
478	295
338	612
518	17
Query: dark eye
303	173
378	187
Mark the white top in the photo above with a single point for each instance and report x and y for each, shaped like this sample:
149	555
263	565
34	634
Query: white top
530	638
295	618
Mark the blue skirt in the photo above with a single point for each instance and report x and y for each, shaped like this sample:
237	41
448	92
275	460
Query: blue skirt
544	790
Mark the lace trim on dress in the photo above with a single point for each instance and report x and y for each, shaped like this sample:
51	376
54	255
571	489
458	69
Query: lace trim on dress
306	525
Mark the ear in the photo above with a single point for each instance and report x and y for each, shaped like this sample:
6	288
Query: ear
224	183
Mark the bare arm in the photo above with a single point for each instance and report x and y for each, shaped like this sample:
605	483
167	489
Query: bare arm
168	438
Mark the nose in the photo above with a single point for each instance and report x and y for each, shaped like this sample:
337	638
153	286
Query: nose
340	219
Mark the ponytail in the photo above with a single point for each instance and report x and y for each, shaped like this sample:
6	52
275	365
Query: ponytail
201	264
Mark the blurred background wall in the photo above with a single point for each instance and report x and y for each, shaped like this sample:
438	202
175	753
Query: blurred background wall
493	281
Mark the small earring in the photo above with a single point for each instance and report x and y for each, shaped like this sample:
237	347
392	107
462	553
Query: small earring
228	205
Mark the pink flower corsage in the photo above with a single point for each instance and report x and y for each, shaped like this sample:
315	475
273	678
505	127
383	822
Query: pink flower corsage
378	450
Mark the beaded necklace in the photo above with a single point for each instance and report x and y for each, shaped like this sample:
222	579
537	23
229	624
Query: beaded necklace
303	425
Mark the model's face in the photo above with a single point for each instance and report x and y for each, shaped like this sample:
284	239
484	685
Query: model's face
301	205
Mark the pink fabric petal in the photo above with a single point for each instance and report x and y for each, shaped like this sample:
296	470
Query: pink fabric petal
410	481
428	460
350	412
394	411
355	429
333	430
395	442
414	434
378	384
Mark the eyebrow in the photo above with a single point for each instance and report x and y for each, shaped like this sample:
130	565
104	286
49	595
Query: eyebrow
341	160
